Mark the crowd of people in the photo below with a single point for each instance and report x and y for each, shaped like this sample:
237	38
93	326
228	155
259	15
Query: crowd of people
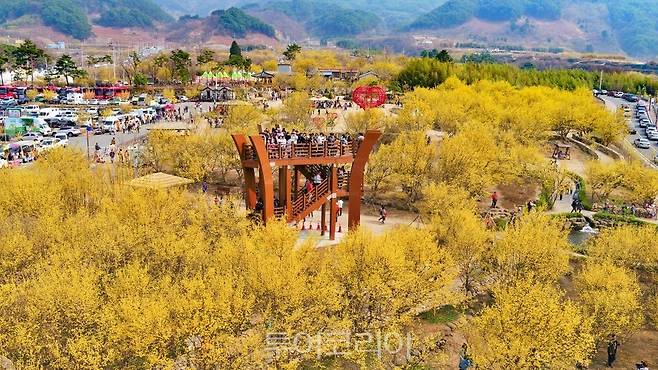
337	103
280	138
646	210
114	152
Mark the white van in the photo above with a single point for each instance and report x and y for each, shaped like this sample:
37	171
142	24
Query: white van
109	124
148	111
31	110
75	98
37	124
49	112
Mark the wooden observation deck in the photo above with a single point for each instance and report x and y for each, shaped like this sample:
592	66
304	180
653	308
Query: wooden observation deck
340	166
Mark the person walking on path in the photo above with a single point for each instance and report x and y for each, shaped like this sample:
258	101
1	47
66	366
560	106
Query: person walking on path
382	214
112	152
494	199
464	358
613	346
339	203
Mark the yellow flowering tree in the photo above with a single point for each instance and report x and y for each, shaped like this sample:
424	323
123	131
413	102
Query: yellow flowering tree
450	214
611	296
243	119
630	246
296	111
530	326
534	247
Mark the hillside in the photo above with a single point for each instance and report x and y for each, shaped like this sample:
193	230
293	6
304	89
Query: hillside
394	13
632	24
74	18
322	19
231	22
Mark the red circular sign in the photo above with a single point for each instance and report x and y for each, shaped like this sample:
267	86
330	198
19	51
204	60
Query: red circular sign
369	96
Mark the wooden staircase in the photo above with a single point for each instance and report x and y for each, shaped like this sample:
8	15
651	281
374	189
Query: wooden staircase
303	204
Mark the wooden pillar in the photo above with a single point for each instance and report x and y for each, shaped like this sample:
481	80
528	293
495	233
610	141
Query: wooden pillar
288	193
356	176
323	218
333	210
266	181
282	183
251	195
296	179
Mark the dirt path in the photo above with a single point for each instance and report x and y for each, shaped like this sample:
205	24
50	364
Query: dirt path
369	221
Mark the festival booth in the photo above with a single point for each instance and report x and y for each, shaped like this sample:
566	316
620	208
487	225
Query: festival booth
234	78
216	94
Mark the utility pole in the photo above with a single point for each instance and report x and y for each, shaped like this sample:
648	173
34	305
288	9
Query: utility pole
87	131
601	81
114	60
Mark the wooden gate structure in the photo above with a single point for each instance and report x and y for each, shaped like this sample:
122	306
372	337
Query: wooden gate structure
341	168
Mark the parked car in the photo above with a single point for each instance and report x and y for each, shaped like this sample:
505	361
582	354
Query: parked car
642	143
632	131
67	116
619	94
69	131
653	135
54	142
32	136
108	126
55	122
63	138
8	103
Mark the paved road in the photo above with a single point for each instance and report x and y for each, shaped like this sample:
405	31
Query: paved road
615	103
104	140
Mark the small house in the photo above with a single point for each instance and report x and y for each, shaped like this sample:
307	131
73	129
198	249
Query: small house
338	73
264	77
215	94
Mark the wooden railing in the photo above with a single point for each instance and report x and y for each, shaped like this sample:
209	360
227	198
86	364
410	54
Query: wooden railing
279	212
305	150
249	152
344	181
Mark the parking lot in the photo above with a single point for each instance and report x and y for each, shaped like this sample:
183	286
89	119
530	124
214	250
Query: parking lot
633	123
83	126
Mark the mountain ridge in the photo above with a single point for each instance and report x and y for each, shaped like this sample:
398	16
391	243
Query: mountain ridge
632	23
75	17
